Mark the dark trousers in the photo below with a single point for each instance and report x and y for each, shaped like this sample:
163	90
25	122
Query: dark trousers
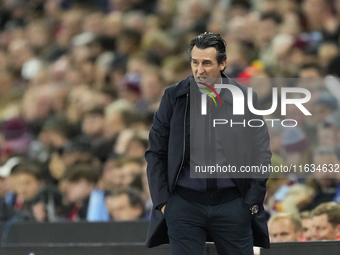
189	223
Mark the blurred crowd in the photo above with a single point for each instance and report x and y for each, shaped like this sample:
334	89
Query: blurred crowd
81	79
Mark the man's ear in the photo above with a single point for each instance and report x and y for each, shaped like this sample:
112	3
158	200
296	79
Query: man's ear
223	65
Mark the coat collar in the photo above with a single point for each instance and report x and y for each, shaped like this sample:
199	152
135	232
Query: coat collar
183	87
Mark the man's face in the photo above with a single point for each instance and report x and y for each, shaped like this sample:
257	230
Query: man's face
120	208
282	230
77	191
323	230
205	67
307	229
27	186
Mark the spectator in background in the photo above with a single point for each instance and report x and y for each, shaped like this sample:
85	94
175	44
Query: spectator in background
307	225
136	147
278	186
16	138
27	179
334	121
126	171
324	106
125	204
75	151
46	205
152	88
326	221
324	183
56	131
128	42
93	124
310	71
267	30
113	125
326	136
77	184
285	227
297	146
6	189
23	58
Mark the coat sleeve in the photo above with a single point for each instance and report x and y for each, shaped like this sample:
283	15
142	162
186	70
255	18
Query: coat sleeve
157	153
261	155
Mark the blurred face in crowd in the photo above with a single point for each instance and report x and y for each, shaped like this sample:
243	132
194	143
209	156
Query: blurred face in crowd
135	149
76	191
307	229
323	230
109	174
321	112
93	125
309	73
125	174
26	185
282	230
266	30
120	208
326	137
205	67
275	142
113	125
56	165
152	87
325	178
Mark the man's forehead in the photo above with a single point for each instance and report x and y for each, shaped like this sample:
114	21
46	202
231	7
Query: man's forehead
207	53
322	218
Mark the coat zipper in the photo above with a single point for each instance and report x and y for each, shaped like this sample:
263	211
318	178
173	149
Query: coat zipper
185	116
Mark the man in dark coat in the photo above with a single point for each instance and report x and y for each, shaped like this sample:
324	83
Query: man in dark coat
189	211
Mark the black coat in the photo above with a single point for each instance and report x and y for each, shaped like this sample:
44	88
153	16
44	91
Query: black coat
169	148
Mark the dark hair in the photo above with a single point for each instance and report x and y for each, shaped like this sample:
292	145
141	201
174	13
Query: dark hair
272	15
331	209
77	172
312	66
98	110
126	160
28	167
134	195
244	4
206	40
333	66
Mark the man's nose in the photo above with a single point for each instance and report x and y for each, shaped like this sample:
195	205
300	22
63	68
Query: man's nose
200	69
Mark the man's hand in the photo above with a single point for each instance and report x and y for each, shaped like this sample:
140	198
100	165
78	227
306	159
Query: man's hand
163	208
